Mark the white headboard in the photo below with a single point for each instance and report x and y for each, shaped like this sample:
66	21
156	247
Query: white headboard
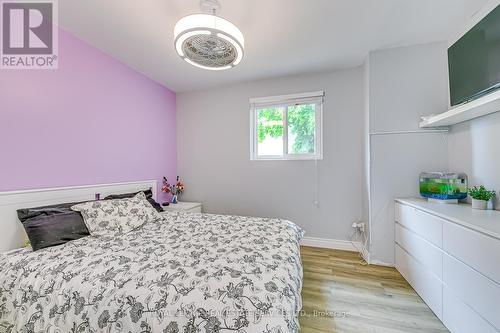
12	234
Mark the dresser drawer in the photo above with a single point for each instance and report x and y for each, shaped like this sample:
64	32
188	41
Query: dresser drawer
426	225
426	284
460	318
480	293
473	248
427	254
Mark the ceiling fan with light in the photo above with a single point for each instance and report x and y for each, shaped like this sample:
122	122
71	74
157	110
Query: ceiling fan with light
208	41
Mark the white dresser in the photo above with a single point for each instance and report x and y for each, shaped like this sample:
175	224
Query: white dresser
450	254
192	207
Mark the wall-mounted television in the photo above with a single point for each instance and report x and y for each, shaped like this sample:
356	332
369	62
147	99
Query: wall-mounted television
474	61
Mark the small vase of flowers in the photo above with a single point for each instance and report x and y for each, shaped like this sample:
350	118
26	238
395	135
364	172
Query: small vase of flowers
481	197
174	189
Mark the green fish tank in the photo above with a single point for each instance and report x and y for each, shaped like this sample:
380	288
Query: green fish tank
443	186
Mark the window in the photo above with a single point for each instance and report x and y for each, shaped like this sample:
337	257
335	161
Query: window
286	127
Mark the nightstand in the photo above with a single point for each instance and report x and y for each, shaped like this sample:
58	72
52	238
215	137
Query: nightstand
192	207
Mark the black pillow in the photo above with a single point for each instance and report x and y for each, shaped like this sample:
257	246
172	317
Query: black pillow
52	225
149	197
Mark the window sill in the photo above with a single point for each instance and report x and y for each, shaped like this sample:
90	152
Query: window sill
285	158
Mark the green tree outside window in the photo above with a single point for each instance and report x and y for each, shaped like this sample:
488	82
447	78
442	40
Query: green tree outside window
270	123
301	126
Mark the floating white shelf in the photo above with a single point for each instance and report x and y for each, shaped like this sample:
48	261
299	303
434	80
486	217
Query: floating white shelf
480	107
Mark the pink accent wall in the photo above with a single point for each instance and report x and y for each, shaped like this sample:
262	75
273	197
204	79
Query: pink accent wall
94	120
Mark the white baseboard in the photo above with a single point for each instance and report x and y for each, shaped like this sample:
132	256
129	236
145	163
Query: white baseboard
344	245
380	263
333	244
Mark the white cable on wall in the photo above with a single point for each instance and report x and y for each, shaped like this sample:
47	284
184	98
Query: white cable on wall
316	185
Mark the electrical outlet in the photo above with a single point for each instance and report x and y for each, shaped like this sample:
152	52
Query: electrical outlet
359	227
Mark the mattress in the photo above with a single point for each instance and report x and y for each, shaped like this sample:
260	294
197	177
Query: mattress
185	273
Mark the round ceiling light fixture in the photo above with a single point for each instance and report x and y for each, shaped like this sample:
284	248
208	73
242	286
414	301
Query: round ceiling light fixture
208	41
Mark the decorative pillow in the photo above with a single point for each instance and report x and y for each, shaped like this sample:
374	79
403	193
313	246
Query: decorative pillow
118	216
149	197
52	225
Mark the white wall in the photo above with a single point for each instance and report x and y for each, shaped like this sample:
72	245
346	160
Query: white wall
213	155
404	83
474	148
396	163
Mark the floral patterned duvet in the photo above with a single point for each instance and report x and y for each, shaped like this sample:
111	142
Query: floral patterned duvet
185	273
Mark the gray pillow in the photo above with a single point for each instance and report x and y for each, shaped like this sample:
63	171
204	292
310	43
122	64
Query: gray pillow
52	225
149	197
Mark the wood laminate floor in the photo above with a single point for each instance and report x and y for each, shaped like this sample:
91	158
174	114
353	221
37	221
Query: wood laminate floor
342	294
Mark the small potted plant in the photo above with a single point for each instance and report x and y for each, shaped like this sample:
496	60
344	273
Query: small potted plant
480	197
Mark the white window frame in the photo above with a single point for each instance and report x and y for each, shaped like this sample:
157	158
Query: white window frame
285	101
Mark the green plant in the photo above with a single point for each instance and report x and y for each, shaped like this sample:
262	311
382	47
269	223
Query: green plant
270	123
301	125
481	193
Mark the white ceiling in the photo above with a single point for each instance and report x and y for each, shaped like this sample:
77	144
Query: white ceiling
282	37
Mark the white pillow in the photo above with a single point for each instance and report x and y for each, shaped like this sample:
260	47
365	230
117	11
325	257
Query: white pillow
118	216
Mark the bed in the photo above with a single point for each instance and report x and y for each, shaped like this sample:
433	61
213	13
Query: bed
185	272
